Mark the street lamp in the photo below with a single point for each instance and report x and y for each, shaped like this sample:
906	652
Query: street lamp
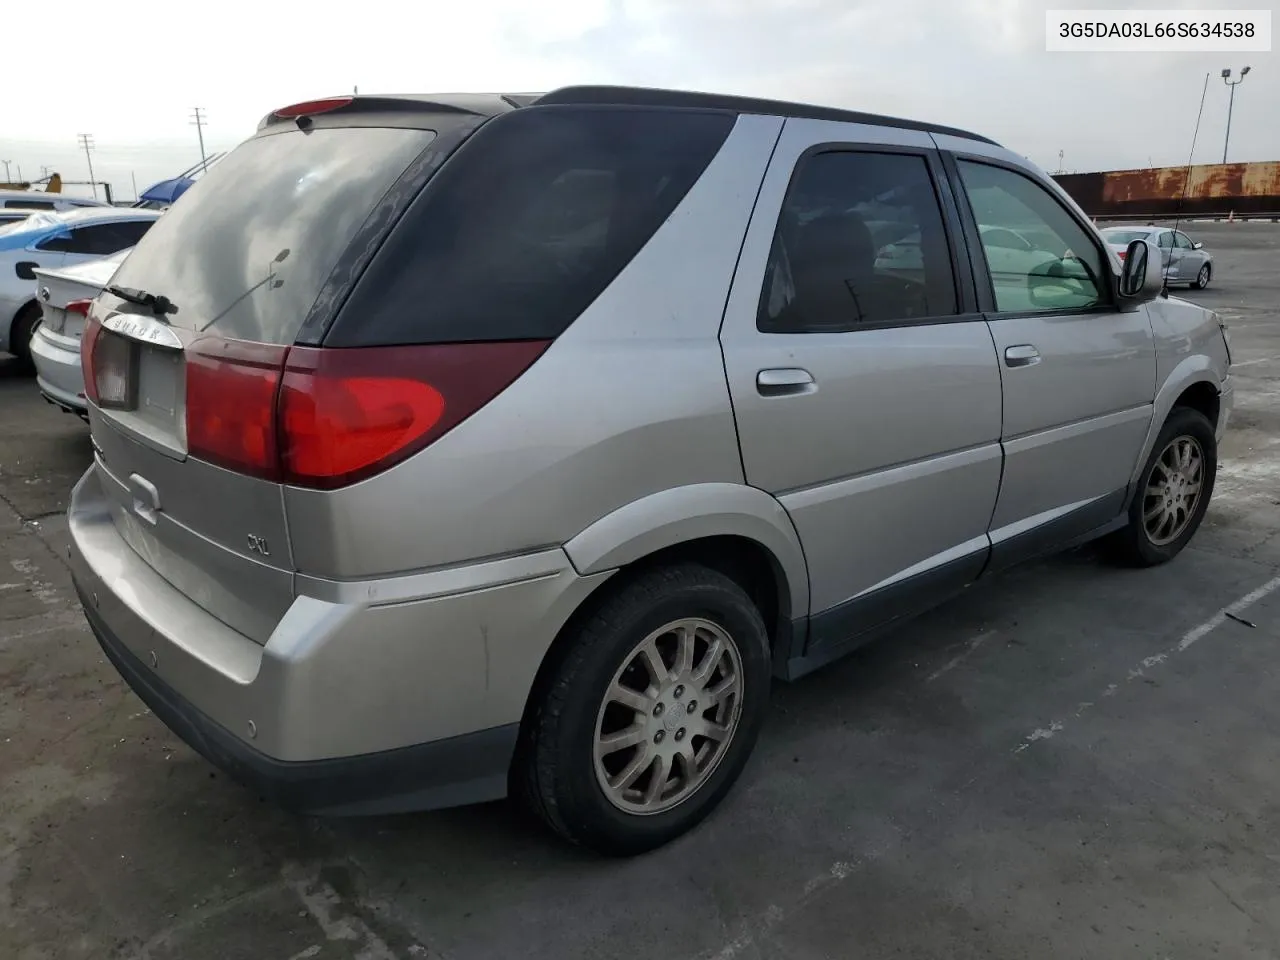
1226	78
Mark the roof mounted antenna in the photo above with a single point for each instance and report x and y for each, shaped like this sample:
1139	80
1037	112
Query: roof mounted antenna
1186	180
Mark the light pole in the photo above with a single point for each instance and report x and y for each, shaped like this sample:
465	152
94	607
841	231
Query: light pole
198	120
6	168
86	141
1226	78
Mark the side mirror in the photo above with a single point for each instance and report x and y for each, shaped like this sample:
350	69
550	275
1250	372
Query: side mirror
1197	245
1143	276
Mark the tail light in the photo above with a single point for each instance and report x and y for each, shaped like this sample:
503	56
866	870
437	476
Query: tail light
326	418
1122	254
92	331
78	306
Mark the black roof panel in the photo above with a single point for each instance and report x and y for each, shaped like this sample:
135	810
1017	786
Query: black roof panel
640	96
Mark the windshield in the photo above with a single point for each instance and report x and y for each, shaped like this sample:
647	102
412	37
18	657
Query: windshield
1125	237
249	247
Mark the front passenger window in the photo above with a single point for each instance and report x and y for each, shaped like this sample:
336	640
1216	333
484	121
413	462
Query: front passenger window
1060	268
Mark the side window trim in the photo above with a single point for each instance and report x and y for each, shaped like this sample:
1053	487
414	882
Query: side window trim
967	305
977	259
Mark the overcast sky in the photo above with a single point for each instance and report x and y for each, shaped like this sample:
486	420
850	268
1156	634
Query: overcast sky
129	72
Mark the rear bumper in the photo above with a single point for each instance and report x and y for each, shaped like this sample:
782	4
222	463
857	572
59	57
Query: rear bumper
58	372
353	705
464	769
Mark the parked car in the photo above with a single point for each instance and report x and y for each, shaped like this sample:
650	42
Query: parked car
41	200
1184	260
417	480
64	296
13	215
52	240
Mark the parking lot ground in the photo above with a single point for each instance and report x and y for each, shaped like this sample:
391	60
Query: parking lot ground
1069	761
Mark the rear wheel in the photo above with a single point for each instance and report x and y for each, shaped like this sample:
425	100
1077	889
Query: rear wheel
1202	278
652	711
1173	491
20	334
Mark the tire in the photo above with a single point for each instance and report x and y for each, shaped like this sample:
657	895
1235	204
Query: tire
1203	277
1144	542
21	332
558	772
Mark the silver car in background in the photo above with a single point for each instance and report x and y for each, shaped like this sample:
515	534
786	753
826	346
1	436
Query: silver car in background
64	296
447	446
1183	259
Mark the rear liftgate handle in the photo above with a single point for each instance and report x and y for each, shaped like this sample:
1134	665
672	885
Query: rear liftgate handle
1023	355
785	382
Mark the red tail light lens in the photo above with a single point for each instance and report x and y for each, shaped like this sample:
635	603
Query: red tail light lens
324	419
348	414
78	306
1122	254
231	403
92	331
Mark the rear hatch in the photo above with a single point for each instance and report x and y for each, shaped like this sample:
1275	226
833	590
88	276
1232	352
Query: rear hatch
184	351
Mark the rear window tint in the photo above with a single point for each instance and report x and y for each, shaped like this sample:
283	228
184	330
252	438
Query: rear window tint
527	223
246	250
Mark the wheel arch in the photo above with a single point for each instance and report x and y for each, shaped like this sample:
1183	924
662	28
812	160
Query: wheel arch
1192	383
740	531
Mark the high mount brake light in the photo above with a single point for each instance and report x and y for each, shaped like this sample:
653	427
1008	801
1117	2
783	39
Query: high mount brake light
309	108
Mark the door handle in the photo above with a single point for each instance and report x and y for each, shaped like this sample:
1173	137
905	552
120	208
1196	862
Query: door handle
1023	355
784	382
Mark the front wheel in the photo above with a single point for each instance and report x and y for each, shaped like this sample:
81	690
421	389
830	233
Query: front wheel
652	710
1173	491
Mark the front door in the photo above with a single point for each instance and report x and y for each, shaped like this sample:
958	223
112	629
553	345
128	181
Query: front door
1078	372
864	382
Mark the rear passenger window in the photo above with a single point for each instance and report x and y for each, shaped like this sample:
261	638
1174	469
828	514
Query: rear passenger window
859	241
528	223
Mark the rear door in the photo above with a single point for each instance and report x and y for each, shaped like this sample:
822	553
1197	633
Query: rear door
1078	373
864	384
242	262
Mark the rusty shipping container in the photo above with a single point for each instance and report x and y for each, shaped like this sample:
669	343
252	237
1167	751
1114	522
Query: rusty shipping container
1214	190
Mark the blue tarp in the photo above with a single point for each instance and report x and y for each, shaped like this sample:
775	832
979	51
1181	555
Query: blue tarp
167	191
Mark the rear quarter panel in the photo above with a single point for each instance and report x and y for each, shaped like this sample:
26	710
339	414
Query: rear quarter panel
631	400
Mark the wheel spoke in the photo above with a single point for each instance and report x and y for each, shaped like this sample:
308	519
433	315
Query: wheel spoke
1153	512
625	696
632	771
654	663
686	641
716	731
1155	490
714	696
621	739
715	650
1192	488
657	780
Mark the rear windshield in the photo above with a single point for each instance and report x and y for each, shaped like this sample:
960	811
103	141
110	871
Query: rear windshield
527	223
1125	237
246	250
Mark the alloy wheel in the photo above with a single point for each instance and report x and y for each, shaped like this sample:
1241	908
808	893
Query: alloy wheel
668	716
1173	490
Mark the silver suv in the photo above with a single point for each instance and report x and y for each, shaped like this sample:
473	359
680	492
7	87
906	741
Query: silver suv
452	446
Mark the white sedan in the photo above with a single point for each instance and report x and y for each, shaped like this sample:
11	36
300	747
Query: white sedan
64	296
49	240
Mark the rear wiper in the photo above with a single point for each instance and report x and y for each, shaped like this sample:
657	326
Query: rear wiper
160	305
